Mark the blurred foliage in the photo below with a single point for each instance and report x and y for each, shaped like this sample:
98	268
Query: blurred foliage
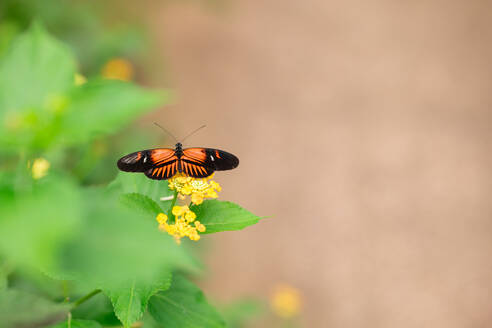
86	26
66	236
19	309
78	324
237	314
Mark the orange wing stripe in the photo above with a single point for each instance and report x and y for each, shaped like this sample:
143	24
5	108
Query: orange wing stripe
165	171
196	154
161	155
200	169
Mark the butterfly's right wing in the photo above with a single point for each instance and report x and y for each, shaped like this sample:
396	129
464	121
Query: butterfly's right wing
157	164
202	162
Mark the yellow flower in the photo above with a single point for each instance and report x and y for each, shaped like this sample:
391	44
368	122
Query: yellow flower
179	210
197	198
182	226
79	79
286	301
40	168
197	188
200	227
118	69
161	218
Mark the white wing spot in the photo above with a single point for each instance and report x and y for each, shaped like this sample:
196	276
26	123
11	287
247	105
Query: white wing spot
145	159
212	158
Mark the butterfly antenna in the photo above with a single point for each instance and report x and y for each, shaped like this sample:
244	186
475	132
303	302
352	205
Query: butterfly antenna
192	133
169	133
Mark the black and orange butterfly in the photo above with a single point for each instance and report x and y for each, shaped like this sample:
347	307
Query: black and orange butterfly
163	163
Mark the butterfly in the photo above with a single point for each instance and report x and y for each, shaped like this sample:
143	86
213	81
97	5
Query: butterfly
163	163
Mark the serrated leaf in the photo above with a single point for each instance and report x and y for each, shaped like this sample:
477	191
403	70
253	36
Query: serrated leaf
141	203
183	305
126	183
102	107
223	216
77	323
21	309
130	301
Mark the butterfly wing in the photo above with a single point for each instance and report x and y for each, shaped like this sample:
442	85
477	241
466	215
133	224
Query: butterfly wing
221	160
158	164
162	163
163	172
202	162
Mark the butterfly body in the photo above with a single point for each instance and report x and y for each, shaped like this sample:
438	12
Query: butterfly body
163	163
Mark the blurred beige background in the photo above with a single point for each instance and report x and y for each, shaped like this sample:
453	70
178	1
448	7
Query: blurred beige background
363	129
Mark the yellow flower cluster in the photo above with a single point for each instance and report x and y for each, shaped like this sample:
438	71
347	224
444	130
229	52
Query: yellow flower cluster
185	224
198	189
286	301
40	168
118	69
79	79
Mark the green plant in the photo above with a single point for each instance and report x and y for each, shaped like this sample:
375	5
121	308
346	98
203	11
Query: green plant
75	254
96	30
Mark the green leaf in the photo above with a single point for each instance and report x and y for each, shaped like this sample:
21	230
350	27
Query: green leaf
84	235
103	107
149	322
130	302
3	281
36	223
34	281
8	31
98	308
223	216
127	183
77	323
114	246
21	309
183	306
35	75
36	68
141	203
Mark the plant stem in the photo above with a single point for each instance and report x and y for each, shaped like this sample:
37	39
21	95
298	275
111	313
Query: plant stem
5	269
85	298
66	294
170	214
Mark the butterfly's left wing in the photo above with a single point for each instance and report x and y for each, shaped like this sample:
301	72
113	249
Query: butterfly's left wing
202	162
157	164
